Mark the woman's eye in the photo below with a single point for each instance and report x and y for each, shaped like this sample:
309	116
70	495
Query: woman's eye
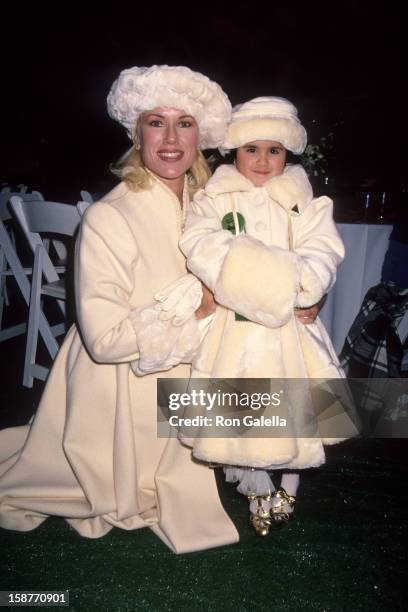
185	124
155	123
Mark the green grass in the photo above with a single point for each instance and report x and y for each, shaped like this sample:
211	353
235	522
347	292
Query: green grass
344	551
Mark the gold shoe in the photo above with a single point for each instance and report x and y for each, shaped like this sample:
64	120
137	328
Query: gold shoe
280	503
261	518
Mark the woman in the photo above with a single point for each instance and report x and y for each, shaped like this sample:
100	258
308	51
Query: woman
92	454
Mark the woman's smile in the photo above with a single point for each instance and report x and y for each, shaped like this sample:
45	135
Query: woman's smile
170	155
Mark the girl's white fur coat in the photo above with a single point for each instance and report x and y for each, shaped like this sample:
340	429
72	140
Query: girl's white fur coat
287	258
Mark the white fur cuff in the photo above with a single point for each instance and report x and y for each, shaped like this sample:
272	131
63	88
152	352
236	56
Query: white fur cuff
258	282
163	345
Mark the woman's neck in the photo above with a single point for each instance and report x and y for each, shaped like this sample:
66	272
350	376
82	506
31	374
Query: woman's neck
175	185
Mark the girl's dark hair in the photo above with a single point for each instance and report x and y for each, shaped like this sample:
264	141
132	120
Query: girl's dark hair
217	159
230	157
291	158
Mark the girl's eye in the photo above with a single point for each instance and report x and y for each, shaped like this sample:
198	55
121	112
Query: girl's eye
250	149
275	150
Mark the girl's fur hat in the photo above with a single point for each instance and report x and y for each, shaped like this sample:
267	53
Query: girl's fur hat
266	118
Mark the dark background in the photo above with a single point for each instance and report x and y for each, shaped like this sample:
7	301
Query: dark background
342	64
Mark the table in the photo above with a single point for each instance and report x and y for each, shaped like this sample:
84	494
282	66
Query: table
366	246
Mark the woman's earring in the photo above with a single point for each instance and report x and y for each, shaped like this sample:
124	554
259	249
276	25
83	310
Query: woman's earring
136	136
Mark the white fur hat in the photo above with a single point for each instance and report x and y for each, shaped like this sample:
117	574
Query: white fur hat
140	89
266	118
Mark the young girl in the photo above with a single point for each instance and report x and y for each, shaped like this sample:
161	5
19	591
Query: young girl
257	238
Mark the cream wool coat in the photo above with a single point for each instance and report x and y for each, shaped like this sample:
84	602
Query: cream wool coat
287	258
92	454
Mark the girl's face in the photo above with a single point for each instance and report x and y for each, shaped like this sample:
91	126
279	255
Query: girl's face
168	144
260	160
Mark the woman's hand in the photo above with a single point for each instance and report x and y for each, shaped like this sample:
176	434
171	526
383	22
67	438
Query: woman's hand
207	305
307	315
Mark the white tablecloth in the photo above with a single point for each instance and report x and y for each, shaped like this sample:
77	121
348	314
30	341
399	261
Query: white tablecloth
365	246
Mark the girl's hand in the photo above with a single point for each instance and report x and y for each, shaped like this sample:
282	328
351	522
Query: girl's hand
307	315
207	305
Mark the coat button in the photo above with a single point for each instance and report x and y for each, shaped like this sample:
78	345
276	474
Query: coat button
260	226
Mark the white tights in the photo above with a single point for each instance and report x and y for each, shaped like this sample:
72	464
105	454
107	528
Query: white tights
258	482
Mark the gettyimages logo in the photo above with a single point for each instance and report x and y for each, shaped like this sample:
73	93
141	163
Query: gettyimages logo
256	407
208	401
223	401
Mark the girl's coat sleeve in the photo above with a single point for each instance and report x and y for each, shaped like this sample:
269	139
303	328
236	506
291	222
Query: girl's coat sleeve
319	249
105	257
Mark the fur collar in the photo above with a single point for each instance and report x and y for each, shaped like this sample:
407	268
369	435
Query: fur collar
291	189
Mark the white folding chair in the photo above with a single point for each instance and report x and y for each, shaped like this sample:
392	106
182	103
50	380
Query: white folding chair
82	205
37	219
10	264
86	196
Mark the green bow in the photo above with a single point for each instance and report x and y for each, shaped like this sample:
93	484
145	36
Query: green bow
228	223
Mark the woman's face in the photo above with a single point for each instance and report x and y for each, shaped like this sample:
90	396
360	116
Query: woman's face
168	144
260	160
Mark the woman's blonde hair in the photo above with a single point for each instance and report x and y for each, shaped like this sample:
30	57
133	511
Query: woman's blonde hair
131	169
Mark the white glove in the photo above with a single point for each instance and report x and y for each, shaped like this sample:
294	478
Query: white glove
180	299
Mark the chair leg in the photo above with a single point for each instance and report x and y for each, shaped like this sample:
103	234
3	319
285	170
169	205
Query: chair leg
2	299
3	293
25	289
33	319
61	304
